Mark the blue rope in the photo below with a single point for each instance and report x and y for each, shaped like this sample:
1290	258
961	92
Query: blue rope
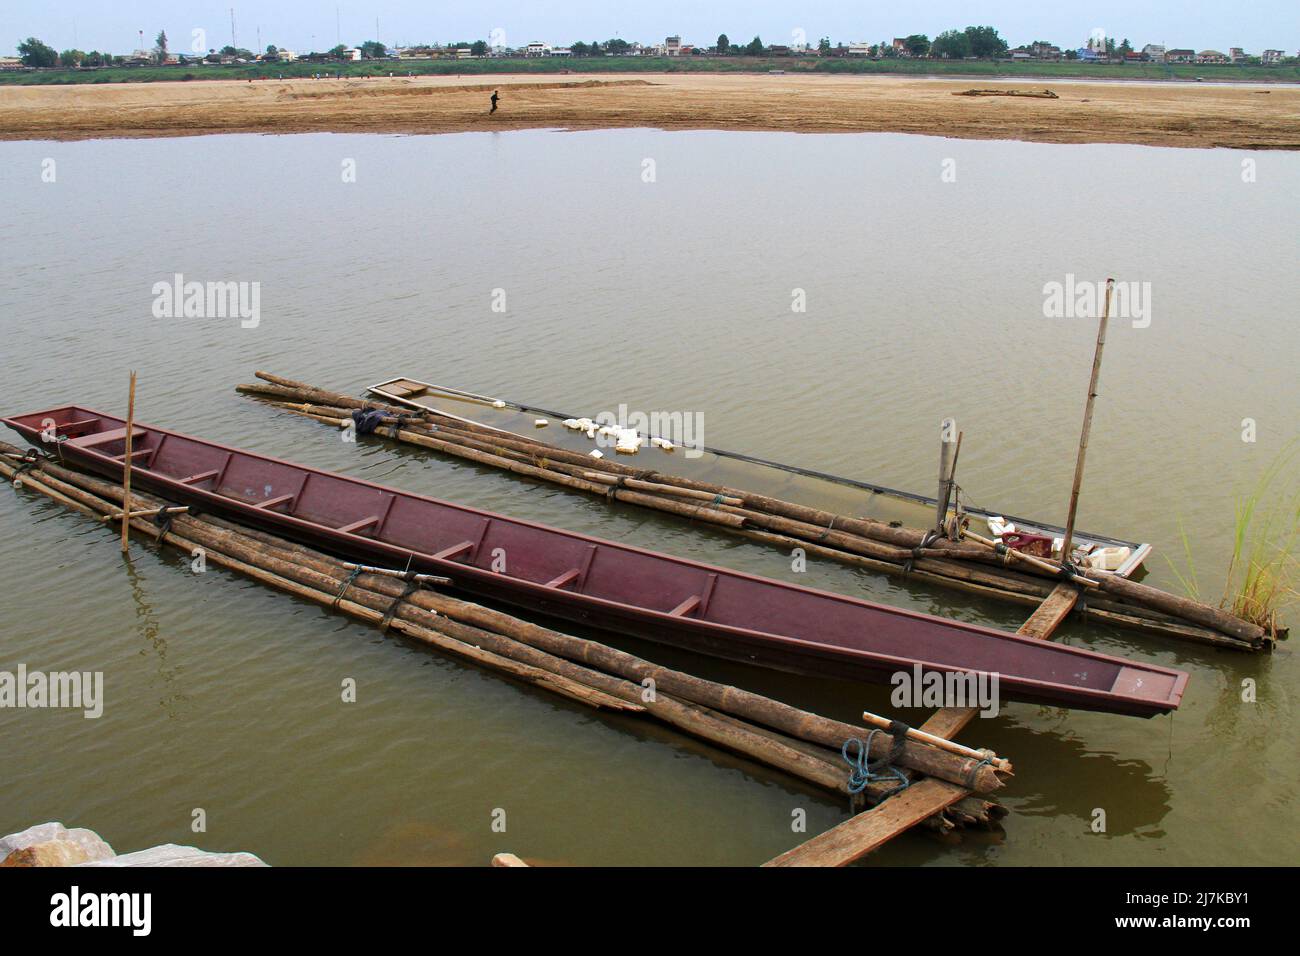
862	769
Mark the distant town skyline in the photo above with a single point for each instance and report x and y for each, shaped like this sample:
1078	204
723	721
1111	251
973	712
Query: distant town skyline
320	24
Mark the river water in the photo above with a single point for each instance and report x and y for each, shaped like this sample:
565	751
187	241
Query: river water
661	270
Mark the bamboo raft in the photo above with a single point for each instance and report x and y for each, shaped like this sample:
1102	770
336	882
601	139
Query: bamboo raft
964	564
832	493
802	744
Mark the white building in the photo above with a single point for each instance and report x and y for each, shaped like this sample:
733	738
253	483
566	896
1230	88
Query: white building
537	48
859	48
673	46
1155	52
1271	56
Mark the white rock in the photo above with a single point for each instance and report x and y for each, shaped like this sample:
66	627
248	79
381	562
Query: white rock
90	842
170	854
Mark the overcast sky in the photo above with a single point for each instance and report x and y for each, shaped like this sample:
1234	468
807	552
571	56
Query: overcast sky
303	25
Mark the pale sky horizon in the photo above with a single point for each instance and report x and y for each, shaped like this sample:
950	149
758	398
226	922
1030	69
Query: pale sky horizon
304	25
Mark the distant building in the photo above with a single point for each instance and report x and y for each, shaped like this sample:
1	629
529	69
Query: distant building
561	51
11	63
1271	56
1021	54
900	47
537	48
353	53
1180	56
1236	54
1087	54
1045	51
1211	56
673	46
1155	52
859	48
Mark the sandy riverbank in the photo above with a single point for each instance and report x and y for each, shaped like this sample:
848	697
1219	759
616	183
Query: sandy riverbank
1193	115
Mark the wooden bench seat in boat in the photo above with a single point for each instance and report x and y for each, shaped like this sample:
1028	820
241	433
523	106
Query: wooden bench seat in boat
96	439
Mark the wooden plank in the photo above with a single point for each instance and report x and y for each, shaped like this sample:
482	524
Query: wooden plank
860	834
1041	624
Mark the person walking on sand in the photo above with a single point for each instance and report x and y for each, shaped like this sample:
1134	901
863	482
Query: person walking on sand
495	97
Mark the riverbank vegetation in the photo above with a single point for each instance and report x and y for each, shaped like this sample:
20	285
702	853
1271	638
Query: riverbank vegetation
840	66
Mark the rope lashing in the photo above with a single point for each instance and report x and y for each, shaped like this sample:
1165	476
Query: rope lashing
863	770
916	552
973	774
30	460
412	585
829	528
164	522
346	584
611	493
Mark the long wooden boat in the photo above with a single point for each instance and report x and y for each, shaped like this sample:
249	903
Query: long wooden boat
625	589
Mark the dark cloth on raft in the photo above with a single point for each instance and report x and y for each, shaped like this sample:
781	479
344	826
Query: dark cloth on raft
367	421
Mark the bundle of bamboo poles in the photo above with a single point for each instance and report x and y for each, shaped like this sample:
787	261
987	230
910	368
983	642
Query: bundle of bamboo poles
967	565
779	735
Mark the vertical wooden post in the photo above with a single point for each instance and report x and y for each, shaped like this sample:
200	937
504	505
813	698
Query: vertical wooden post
947	438
1067	541
126	466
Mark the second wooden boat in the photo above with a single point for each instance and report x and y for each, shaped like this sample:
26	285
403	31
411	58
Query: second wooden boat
707	609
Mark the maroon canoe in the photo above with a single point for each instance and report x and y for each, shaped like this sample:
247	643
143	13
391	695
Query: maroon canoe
706	609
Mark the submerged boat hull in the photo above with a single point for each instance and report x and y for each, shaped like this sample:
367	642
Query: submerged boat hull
706	609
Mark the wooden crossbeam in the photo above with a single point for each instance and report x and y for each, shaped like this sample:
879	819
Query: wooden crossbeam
201	476
356	526
275	502
860	834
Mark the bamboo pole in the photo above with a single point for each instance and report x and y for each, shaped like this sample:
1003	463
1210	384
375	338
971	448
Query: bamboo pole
1028	559
947	428
126	466
884	723
146	513
1068	541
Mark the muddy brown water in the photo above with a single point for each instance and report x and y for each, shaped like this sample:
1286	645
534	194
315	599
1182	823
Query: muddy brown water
924	298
